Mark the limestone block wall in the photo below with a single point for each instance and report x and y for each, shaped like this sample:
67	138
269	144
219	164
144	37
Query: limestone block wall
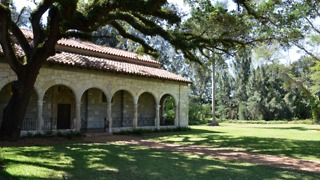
147	110
93	109
122	109
184	106
54	96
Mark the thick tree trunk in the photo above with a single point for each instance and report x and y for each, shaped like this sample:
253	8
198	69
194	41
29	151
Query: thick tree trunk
15	111
42	47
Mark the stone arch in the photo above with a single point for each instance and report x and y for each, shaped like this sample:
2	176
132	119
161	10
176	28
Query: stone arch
93	110
59	107
123	88
7	80
147	91
122	109
168	110
30	119
100	87
54	82
170	94
147	109
11	79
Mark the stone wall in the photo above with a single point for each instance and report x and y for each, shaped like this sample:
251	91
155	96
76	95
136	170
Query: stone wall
147	110
93	109
122	109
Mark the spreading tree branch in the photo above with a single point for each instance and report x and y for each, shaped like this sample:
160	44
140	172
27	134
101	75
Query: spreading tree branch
22	40
20	14
306	51
312	25
148	49
48	49
6	42
36	16
244	4
297	83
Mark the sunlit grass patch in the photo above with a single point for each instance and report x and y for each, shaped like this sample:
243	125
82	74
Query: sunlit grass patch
36	171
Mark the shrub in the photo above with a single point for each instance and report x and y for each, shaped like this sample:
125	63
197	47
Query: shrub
242	111
199	113
145	131
66	134
306	121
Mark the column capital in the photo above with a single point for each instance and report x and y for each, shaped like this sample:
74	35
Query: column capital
78	101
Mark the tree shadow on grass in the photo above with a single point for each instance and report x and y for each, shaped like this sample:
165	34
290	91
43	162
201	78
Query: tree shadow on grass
120	161
272	146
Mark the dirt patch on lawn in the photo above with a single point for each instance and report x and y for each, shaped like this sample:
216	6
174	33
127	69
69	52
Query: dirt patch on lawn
230	155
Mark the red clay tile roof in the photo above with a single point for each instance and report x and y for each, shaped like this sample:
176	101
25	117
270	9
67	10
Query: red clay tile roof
104	49
78	60
18	49
28	33
106	64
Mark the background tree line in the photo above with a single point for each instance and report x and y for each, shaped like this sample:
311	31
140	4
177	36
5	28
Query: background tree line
261	92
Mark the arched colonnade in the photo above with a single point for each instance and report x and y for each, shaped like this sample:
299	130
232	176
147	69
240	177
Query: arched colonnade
60	104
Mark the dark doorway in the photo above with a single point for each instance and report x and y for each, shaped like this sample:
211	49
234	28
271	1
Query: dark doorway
64	116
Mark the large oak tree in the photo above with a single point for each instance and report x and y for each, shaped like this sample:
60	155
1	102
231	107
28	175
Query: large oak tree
76	18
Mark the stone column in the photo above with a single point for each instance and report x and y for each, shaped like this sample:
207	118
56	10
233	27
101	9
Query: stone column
157	123
109	109
135	112
135	115
176	118
40	118
77	121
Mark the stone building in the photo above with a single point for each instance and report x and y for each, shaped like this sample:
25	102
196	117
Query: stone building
95	88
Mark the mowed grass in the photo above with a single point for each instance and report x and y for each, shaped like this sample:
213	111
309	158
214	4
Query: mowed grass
74	160
292	140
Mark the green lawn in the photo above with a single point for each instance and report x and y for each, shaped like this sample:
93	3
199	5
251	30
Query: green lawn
74	160
292	140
